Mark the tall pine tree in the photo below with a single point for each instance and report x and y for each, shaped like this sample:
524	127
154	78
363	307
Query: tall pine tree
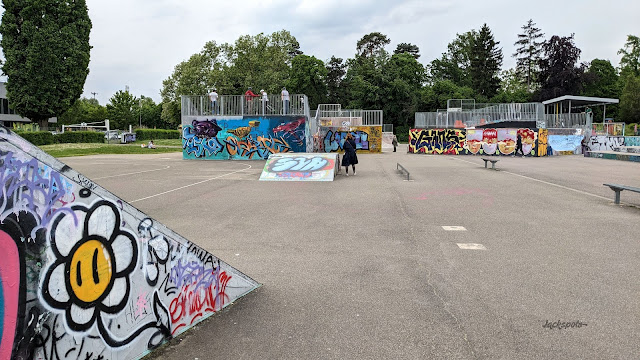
528	55
486	60
46	47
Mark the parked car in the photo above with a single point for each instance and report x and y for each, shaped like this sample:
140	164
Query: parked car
112	135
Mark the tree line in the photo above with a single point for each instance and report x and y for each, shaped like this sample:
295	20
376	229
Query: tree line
47	54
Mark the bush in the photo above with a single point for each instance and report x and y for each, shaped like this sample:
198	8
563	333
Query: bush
79	137
38	138
402	133
154	134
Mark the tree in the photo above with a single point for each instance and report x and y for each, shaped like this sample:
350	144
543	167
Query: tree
528	54
511	89
372	43
403	77
630	61
150	113
559	72
336	71
309	76
485	62
83	110
630	100
407	48
46	49
601	80
435	96
455	63
123	109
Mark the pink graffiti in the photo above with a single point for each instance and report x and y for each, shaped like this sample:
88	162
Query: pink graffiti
141	304
10	283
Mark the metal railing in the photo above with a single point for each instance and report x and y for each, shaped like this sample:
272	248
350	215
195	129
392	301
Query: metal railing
610	129
334	115
241	105
567	121
480	114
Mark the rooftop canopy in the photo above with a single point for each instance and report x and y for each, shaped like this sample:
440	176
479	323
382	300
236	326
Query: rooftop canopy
582	100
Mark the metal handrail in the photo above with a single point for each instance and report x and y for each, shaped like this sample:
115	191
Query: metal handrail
242	105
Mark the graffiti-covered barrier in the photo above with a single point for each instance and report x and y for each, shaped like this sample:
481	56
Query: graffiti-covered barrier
300	167
368	138
477	141
247	138
84	275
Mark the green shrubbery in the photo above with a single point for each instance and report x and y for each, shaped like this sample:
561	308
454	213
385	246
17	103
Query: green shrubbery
154	134
46	138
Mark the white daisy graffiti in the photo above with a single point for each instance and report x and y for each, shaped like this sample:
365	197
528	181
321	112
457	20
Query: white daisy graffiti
94	258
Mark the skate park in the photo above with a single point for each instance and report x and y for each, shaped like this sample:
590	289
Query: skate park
458	261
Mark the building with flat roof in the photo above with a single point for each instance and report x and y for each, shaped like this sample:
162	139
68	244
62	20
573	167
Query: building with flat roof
8	116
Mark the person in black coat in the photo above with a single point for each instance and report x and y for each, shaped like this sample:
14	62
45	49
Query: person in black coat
350	157
519	146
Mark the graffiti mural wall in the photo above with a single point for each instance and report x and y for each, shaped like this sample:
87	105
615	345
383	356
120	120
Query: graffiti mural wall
250	138
473	141
605	143
438	141
84	275
368	138
632	141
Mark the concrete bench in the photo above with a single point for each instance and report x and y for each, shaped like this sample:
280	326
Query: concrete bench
618	189
402	169
493	163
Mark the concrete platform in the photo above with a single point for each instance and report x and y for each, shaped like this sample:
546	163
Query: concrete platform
628	149
614	155
363	267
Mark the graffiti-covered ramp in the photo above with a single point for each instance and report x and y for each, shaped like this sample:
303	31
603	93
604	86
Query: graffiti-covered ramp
82	272
300	167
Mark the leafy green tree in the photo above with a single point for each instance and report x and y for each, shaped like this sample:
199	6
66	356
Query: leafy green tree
403	77
601	80
372	44
559	70
123	110
455	63
630	61
511	89
83	110
150	113
46	49
485	62
336	70
528	54
435	97
630	100
407	48
309	76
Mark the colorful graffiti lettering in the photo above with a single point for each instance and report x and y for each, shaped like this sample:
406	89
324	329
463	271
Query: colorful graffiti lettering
437	141
84	275
605	143
300	164
199	146
252	148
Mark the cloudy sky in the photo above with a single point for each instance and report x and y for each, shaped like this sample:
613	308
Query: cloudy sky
138	42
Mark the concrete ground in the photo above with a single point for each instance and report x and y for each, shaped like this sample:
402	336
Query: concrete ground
361	268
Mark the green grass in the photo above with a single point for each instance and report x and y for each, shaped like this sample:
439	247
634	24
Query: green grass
64	150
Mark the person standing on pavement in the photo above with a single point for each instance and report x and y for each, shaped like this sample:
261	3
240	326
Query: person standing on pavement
350	157
519	146
395	143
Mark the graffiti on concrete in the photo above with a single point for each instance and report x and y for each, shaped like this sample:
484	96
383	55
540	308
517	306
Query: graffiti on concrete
86	276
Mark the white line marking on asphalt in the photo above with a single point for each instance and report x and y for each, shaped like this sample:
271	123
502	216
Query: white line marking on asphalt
190	185
454	228
133	173
545	182
472	247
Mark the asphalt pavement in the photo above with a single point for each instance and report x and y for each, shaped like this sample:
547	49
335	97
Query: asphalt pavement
538	263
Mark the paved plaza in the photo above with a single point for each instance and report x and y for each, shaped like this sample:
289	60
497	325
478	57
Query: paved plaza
461	262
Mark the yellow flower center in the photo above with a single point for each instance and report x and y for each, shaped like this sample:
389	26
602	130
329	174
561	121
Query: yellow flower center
90	271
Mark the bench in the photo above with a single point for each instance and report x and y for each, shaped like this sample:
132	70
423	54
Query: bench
493	163
618	188
402	169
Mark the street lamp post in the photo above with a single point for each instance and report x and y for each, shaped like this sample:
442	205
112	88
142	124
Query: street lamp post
140	111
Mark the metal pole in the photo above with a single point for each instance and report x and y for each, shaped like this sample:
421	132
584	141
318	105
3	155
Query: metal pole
140	111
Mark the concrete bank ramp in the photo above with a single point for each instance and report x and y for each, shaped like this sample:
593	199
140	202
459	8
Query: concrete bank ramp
300	167
83	273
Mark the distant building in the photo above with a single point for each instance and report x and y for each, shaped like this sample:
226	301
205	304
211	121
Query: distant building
8	117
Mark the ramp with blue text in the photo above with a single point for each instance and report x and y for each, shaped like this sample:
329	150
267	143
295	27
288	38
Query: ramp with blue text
300	167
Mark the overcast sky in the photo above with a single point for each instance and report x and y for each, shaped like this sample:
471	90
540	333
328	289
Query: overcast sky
138	42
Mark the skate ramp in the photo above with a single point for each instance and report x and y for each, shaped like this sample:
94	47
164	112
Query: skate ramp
301	167
84	272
